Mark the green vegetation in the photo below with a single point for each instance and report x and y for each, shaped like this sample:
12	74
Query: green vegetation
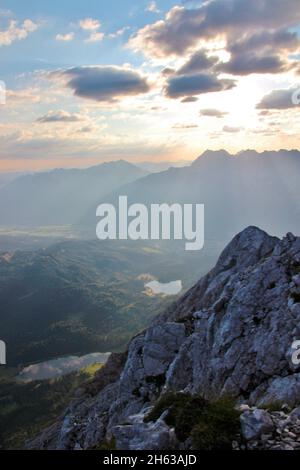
211	425
273	406
74	298
107	445
218	426
26	408
91	370
79	297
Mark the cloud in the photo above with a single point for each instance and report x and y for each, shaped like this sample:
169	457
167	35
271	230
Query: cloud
232	129
21	97
104	83
65	37
198	62
246	64
265	112
211	112
280	99
190	85
58	146
5	13
260	52
95	37
152	7
16	32
183	28
119	32
168	37
93	26
86	129
281	40
184	126
168	71
189	99
89	24
60	116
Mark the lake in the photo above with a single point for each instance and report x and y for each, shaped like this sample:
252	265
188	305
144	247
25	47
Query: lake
61	366
169	288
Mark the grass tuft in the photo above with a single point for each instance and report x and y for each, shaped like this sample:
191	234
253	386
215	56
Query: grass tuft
210	425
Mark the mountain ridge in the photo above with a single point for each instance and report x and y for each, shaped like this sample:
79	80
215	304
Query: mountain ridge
252	189
231	334
61	196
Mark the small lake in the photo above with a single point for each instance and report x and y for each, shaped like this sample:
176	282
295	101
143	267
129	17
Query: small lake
170	288
61	366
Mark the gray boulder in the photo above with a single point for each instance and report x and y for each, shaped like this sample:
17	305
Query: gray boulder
255	423
145	436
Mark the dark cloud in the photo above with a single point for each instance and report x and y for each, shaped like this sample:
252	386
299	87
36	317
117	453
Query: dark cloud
189	99
190	85
172	36
281	99
238	14
261	52
86	129
105	83
265	40
213	113
198	62
183	27
246	64
59	116
168	71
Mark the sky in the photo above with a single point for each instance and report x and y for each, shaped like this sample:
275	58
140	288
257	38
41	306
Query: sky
89	81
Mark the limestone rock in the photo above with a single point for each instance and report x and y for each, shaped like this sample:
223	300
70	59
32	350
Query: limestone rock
230	334
255	424
145	436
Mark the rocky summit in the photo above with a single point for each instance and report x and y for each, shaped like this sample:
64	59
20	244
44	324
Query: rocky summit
229	337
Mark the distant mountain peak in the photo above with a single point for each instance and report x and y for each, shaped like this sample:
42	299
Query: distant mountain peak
213	155
222	154
120	162
63	196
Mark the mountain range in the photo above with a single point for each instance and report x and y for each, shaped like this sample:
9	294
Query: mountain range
237	190
61	197
82	296
246	189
